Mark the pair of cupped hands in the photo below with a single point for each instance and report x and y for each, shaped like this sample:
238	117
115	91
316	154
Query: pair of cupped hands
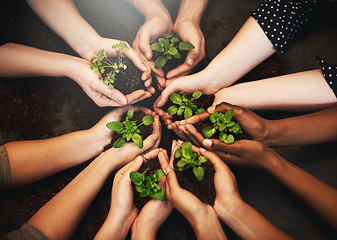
247	153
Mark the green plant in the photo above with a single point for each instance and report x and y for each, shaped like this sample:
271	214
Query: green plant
169	49
148	185
185	105
189	159
224	124
129	129
103	64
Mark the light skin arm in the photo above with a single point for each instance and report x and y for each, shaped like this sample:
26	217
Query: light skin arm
34	160
303	91
188	29
248	48
59	218
33	62
316	194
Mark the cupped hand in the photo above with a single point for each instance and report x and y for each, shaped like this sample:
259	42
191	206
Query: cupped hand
152	29
189	31
154	212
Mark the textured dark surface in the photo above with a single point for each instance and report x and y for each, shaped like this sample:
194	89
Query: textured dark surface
39	108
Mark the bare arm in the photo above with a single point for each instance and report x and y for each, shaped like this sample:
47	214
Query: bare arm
303	91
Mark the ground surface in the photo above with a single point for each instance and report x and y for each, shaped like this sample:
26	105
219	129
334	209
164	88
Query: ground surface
38	108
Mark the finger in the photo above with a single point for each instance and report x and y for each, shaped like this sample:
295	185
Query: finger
144	45
190	138
165	94
216	145
142	97
223	107
137	60
163	160
174	147
158	110
152	154
214	159
136	96
128	168
114	95
180	71
196	118
197	137
154	138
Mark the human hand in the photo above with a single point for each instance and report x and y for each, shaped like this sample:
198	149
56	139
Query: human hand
188	31
153	214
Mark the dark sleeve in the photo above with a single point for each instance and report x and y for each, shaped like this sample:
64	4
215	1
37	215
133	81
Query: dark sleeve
26	232
330	74
281	20
5	171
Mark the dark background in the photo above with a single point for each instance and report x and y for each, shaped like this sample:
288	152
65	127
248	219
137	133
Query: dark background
38	108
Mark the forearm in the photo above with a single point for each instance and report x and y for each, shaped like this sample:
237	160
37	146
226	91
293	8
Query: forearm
143	232
191	10
65	20
303	91
247	223
61	215
23	61
114	227
316	194
33	160
313	128
151	8
247	49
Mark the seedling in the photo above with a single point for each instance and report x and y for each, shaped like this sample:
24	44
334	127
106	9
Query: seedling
103	64
129	129
169	48
148	185
185	105
189	159
224	124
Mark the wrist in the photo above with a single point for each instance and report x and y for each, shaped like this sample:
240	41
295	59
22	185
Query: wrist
275	132
141	230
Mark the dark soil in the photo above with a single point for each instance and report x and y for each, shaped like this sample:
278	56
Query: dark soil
173	63
128	80
205	101
203	189
145	131
153	165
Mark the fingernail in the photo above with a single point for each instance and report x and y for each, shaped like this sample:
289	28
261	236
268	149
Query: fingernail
155	136
167	170
190	61
211	109
147	55
139	158
202	150
159	103
121	100
144	67
207	143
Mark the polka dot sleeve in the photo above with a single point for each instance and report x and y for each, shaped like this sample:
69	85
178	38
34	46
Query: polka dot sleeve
330	74
282	19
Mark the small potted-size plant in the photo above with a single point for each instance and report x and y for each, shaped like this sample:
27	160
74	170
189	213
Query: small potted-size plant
129	129
120	72
146	183
195	173
185	105
223	125
170	52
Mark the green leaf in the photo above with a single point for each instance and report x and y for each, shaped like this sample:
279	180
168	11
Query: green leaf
176	98
167	35
197	94
202	159
198	173
174	39
178	153
186	148
172	110
144	193
177	56
185	46
161	195
188	113
213	117
137	139
172	51
208	132
229	139
147	120
159	174
115	126
130	114
137	178
200	110
156	46
180	111
160	62
181	163
119	143
229	115
140	187
222	137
